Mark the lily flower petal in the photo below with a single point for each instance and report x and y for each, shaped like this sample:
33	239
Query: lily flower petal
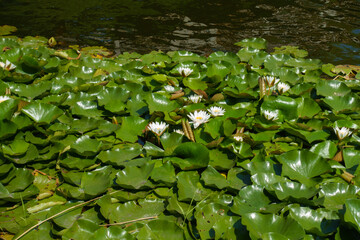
283	87
271	116
185	71
198	117
342	132
238	138
158	128
271	80
195	98
4	98
216	111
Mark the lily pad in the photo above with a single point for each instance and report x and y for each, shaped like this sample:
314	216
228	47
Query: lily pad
42	112
303	165
190	156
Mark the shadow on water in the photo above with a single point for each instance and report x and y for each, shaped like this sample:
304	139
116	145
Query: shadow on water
328	29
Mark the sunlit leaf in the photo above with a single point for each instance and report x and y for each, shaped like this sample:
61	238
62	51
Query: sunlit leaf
302	165
259	224
41	112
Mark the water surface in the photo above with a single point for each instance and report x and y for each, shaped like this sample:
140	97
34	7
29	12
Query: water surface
327	29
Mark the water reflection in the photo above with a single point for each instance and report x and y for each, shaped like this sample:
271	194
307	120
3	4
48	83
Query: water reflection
328	29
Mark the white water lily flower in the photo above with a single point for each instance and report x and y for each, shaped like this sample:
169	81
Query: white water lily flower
169	88
158	128
7	65
198	118
179	131
283	87
4	98
342	132
216	111
271	80
271	116
195	98
238	138
185	71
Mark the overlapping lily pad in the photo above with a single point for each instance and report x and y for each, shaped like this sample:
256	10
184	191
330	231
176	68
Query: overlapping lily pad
262	161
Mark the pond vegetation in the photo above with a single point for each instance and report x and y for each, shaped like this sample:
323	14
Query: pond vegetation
246	145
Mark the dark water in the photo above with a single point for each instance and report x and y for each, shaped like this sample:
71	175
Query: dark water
327	29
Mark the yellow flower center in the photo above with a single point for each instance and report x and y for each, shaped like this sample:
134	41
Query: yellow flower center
199	118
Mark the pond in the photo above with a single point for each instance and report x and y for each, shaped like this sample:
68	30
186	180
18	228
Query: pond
327	29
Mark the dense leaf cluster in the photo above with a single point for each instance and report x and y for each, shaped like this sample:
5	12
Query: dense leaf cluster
73	127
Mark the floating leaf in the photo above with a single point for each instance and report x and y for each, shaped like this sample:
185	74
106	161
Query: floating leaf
82	229
284	190
250	199
191	156
111	233
321	222
162	230
131	128
118	156
86	146
213	178
42	112
259	224
332	88
133	177
336	194
113	99
326	149
131	210
190	187
258	43
6	30
302	165
352	213
343	103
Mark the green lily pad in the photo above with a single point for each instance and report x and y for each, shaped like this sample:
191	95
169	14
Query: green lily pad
250	199
42	112
133	177
86	108
307	107
8	108
90	184
86	146
294	51
284	190
332	88
164	173
258	43
6	30
190	187
326	149
259	224
117	156
213	178
111	233
158	102
343	103
224	56
82	229
321	222
336	194
184	56
113	99
131	210
162	230
131	128
351	157
352	214
190	156
303	165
